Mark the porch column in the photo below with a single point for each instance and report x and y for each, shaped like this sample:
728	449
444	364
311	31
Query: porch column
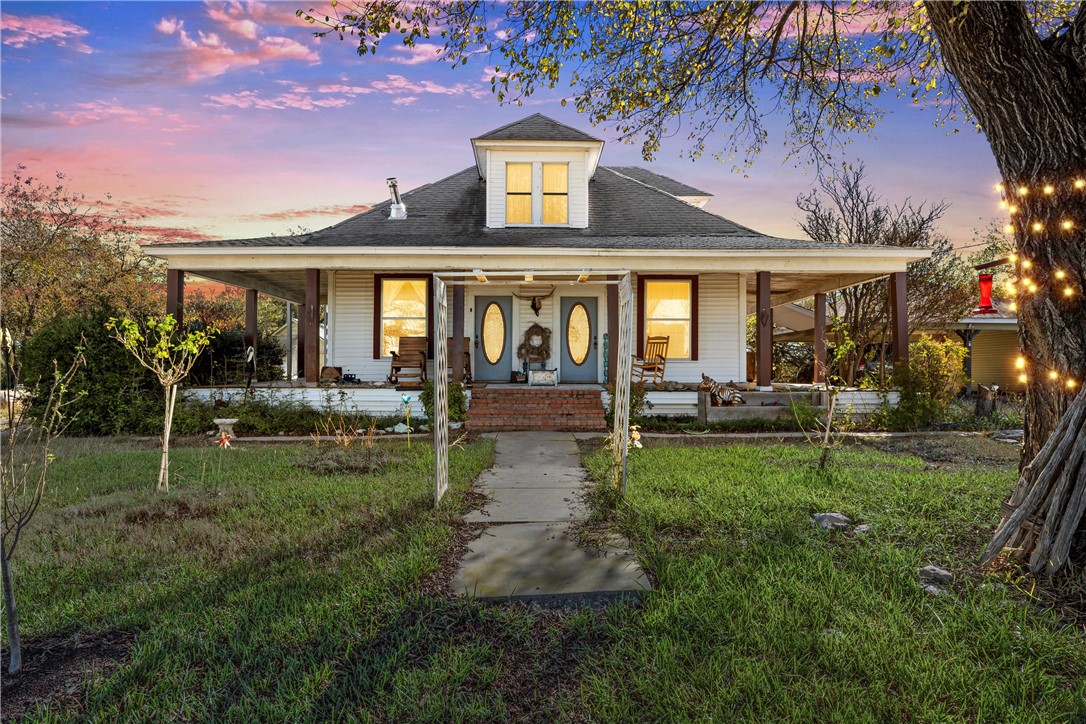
312	324
764	322
612	332
820	338
899	319
299	351
175	294
250	320
457	356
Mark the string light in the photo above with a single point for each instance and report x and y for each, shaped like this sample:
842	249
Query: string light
1026	263
1049	189
1038	226
1020	363
1009	229
1068	292
1022	190
1071	384
1080	184
1012	209
1060	273
1053	375
1067	225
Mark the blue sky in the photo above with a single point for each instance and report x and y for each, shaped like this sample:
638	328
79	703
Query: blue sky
231	120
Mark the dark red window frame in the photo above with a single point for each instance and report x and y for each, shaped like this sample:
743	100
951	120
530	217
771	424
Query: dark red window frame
693	279
378	304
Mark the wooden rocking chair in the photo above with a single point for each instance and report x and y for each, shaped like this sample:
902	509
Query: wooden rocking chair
653	363
409	362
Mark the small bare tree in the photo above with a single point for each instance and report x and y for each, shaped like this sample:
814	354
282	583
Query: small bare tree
24	465
168	352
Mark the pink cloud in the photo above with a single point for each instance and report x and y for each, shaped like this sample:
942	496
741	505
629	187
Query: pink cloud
420	53
350	90
292	214
22	30
95	111
253	99
399	85
208	55
404	100
232	16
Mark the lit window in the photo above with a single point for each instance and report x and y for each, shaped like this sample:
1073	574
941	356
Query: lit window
537	193
555	193
668	313
518	193
403	311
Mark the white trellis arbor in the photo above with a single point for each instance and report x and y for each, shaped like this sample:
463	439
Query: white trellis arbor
622	360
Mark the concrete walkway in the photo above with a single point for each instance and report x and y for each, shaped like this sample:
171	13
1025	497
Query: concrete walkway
527	551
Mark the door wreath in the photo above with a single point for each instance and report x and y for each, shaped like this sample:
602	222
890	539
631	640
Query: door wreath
536	346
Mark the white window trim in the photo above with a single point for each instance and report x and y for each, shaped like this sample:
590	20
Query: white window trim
537	195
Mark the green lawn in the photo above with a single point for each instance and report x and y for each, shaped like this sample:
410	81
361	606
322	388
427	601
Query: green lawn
260	591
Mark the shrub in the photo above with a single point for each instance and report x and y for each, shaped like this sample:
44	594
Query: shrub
116	395
930	380
458	401
224	361
637	400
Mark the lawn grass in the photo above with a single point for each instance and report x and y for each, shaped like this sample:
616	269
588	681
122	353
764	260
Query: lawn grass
759	615
257	590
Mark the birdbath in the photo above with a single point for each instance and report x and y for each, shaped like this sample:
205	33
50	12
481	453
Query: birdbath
226	425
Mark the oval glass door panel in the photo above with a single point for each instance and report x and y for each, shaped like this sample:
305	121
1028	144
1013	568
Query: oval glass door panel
578	334
493	333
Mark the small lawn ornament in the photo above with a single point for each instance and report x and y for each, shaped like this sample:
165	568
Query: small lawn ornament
720	395
407	415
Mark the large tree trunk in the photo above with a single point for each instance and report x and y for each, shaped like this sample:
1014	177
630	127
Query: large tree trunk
1029	97
11	618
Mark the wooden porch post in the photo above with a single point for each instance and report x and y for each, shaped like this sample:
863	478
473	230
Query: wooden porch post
764	322
299	351
175	294
820	338
457	361
612	332
250	319
899	319
967	336
312	325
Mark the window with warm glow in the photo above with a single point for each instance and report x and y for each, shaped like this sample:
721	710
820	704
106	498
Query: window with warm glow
403	311
555	193
518	193
668	313
537	193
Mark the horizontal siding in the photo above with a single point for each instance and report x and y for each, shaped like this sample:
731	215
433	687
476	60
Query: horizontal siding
994	355
578	182
352	320
720	322
333	400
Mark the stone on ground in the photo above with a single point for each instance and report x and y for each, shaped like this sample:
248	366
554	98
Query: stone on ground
831	521
936	575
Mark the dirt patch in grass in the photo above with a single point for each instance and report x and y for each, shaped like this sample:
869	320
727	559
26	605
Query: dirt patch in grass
169	510
56	669
943	451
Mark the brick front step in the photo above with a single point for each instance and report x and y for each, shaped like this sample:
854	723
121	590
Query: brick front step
573	410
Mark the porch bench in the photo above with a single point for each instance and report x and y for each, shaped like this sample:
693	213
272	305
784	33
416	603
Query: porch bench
409	362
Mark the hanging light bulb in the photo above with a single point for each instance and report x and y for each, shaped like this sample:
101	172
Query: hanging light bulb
1067	225
1038	226
1053	375
1060	273
1009	229
1020	363
1022	191
1049	189
1022	378
1014	306
1071	384
1068	292
1032	288
999	187
1080	183
1012	209
1026	281
1026	263
1013	258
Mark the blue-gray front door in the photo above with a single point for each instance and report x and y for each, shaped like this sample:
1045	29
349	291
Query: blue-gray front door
494	345
579	339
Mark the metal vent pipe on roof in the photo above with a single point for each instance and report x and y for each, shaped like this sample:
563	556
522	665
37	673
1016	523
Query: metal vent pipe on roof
397	210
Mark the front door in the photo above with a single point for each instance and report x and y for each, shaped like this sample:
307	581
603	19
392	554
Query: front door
494	345
579	340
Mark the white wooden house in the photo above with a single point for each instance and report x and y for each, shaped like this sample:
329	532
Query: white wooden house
537	200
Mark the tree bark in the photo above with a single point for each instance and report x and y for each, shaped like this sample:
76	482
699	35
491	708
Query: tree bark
164	467
1029	97
11	618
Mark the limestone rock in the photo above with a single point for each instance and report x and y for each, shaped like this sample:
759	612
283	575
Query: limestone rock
933	590
861	529
831	521
935	575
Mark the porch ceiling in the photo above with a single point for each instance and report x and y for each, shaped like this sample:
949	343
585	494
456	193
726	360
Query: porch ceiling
283	284
790	286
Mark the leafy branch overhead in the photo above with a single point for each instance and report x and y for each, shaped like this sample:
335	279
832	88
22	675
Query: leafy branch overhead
696	70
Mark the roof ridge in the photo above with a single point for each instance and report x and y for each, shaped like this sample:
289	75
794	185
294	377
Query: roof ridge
673	196
487	134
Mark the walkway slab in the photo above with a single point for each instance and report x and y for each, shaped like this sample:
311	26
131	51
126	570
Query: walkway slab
535	492
534	559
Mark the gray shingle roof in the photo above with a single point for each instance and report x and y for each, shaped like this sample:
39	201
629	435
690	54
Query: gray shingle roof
623	214
536	127
665	184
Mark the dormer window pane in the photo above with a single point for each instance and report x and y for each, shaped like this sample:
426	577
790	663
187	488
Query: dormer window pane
518	193
555	193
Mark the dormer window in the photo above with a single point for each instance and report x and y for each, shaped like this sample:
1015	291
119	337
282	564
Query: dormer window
537	194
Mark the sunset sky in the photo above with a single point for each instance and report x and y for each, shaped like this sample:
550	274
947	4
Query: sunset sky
226	120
